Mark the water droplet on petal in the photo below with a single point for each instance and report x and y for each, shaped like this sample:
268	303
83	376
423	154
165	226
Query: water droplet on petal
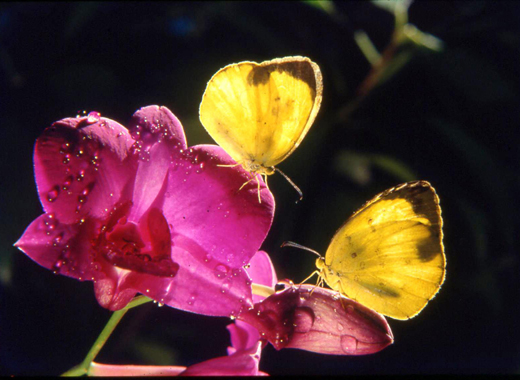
93	117
225	287
53	193
348	344
303	319
65	148
68	181
81	175
57	240
221	271
340	327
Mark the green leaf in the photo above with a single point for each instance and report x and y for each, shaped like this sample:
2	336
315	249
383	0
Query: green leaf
326	6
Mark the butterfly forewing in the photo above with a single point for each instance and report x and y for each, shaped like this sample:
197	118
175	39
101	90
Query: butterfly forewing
261	112
389	255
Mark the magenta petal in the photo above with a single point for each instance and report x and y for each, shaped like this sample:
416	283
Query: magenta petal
242	363
261	271
111	293
195	287
149	180
159	137
60	247
203	204
97	369
243	336
319	320
154	123
203	288
81	167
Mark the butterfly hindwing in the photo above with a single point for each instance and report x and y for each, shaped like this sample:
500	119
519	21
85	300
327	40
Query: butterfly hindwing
389	255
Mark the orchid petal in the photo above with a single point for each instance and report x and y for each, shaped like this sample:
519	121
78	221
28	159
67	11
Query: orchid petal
261	271
159	137
243	336
98	369
82	167
204	204
319	320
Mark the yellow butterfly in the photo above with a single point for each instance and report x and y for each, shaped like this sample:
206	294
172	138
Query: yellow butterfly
389	254
260	112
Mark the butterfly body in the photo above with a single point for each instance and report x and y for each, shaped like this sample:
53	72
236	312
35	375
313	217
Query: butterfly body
389	255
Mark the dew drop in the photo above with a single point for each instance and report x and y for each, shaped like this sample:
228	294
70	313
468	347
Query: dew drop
93	117
57	240
303	319
68	181
86	190
65	148
53	193
221	271
340	327
81	175
191	300
348	344
225	287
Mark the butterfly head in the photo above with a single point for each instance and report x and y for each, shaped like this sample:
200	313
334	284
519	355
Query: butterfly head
254	167
320	263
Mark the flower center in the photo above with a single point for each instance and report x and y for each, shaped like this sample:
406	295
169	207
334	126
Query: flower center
143	247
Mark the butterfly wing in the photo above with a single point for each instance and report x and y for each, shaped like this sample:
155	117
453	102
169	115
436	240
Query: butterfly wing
261	112
389	255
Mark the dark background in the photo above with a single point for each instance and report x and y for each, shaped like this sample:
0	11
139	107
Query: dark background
449	117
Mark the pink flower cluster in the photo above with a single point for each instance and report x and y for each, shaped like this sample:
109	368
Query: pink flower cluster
138	211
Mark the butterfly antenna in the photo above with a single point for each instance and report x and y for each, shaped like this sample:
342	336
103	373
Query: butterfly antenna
296	245
291	182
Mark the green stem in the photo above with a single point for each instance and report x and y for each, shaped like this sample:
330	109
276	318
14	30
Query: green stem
82	368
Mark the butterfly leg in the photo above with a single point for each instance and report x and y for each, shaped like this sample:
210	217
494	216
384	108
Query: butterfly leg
339	294
253	176
318	283
312	274
245	183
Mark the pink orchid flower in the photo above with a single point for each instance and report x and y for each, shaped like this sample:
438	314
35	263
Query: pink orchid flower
242	360
137	211
312	318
